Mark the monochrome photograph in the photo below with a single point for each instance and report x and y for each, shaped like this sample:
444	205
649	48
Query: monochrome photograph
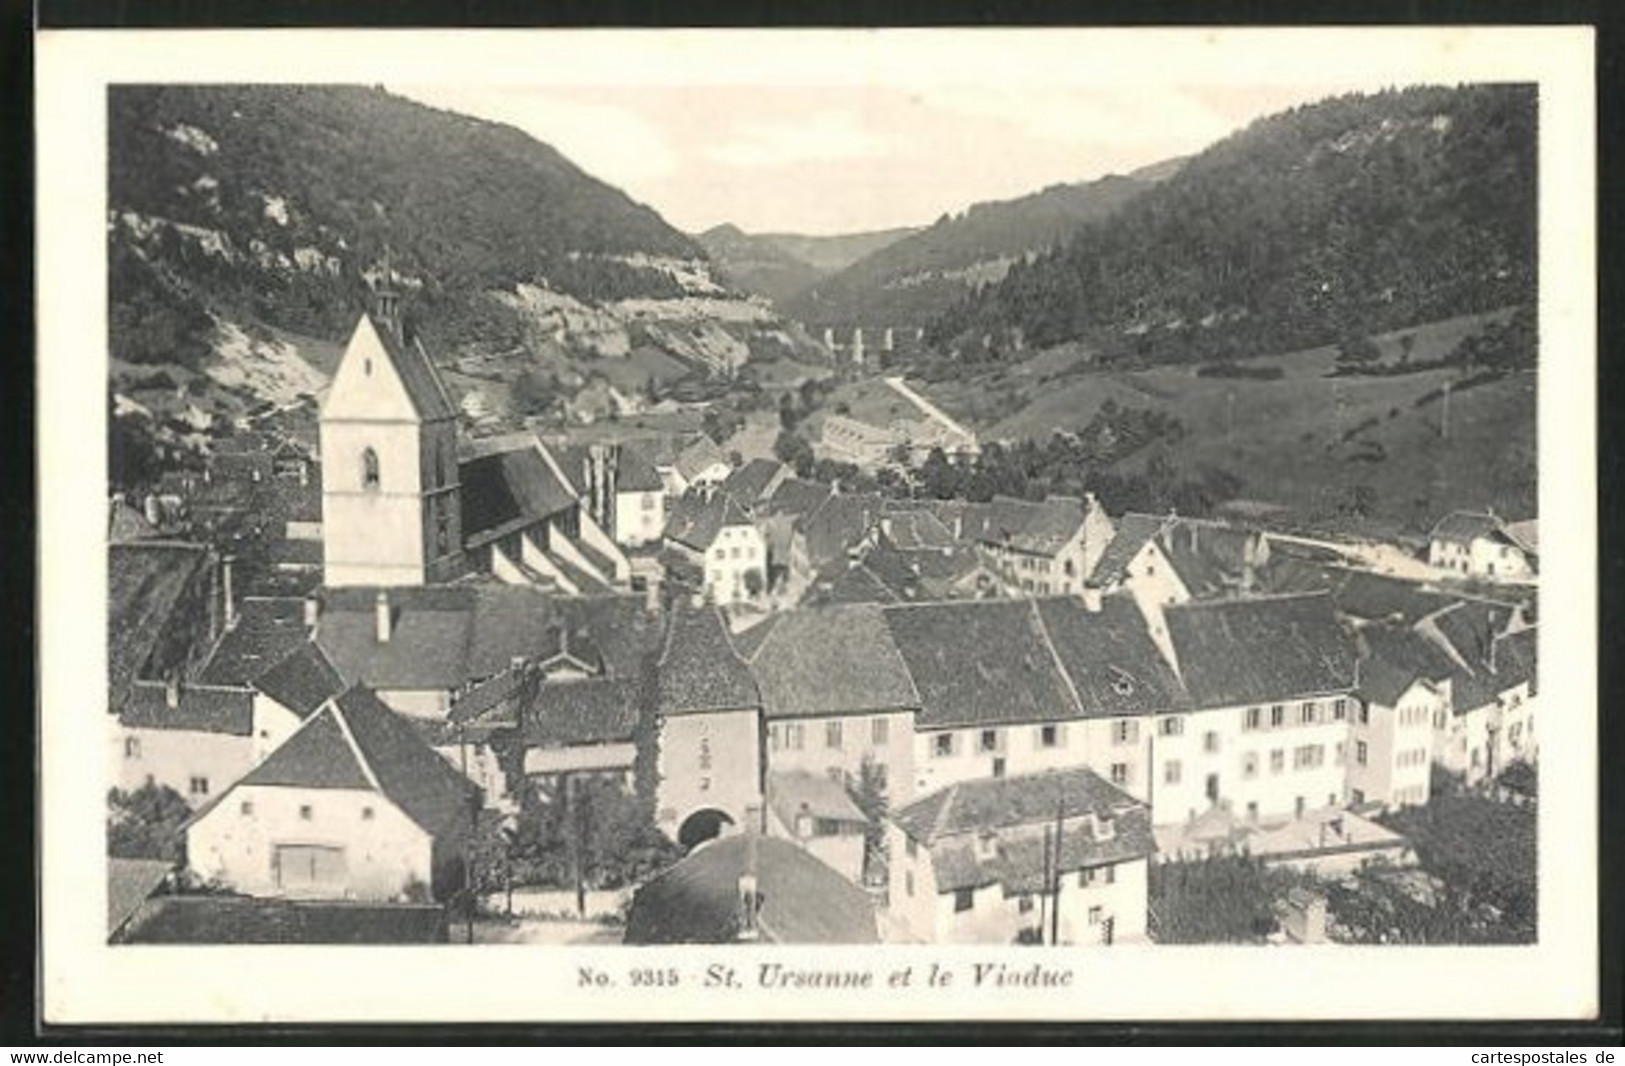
895	512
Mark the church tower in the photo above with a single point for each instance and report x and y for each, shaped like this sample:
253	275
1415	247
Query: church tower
391	500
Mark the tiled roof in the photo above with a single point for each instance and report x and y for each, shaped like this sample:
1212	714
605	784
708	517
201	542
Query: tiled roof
302	681
509	490
701	453
914	530
428	645
298	502
423	385
355	741
855	582
792	793
980	662
838	525
431	792
699	669
145	582
750	482
583	712
995	803
636	472
1050	526
696	519
1236	652
1525	535
1515	658
1396	658
796	497
446	636
1132	533
831	661
317	755
1208	556
494	701
803	900
129	883
1463	527
198	709
1109	657
268	629
242	920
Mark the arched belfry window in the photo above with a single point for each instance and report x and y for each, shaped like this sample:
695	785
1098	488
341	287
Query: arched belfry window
369	469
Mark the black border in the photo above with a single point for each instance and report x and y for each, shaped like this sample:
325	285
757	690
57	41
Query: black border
19	975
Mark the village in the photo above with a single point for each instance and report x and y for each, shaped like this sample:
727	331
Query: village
811	715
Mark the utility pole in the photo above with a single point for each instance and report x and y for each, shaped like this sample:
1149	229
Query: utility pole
1043	891
1445	422
1055	882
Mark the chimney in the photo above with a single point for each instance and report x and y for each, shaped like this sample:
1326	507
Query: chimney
313	611
304	473
172	690
384	615
1091	597
226	592
152	510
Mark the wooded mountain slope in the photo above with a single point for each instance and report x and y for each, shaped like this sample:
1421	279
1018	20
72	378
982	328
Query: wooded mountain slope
1350	216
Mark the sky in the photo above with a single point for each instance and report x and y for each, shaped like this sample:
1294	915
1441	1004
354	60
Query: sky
847	158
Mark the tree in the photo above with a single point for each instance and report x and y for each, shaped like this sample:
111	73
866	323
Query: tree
1358	350
146	823
754	583
792	451
870	797
534	393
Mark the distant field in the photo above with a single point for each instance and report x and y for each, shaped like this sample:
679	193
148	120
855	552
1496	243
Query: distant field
1284	438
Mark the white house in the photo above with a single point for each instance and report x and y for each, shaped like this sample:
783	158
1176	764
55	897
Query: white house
815	813
353	805
195	739
714	534
1013	687
979	863
1405	688
1271	685
1048	548
1479	544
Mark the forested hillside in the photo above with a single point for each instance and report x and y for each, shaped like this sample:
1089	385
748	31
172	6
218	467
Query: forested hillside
913	280
756	264
278	199
1340	219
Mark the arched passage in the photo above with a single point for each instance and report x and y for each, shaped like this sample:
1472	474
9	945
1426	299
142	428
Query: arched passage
704	824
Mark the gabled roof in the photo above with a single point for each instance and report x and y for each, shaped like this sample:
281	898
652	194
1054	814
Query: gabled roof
855	582
796	497
916	530
1396	657
699	669
831	661
635	471
980	662
495	701
1525	535
1250	651
993	803
302	681
838	525
509	490
423	386
793	793
803	901
355	742
199	709
445	636
701	454
268	629
1109	657
696	519
1132	533
1050	526
428	645
1464	527
750	482
583	712
146	580
129	883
